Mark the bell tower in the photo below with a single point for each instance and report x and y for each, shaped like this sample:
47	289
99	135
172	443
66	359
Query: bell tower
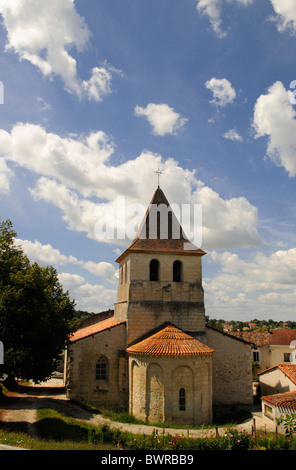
159	279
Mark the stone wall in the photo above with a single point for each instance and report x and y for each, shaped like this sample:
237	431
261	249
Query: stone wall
232	369
148	304
82	356
155	383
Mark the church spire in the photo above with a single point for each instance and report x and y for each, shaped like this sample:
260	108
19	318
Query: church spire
160	231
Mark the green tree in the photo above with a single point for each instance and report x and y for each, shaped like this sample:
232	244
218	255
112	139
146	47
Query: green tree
36	316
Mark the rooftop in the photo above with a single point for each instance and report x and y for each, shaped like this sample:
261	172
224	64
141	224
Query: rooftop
95	328
277	336
170	341
288	369
282	400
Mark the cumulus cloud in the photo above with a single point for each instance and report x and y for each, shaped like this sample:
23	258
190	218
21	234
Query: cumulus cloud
253	284
45	254
223	92
162	118
44	33
226	222
285	10
286	15
76	162
274	117
89	297
72	170
5	177
213	10
233	135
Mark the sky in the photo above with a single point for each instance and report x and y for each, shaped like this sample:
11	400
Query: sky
97	95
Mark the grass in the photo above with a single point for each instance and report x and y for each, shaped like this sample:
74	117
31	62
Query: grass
58	432
55	432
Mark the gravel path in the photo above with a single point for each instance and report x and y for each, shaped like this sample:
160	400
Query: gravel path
22	408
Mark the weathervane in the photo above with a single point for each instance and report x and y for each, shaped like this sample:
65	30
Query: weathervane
158	172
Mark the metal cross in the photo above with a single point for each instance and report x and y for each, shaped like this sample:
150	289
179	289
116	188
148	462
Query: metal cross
158	172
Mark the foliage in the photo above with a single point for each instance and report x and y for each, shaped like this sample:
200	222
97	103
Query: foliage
289	423
232	440
57	431
36	316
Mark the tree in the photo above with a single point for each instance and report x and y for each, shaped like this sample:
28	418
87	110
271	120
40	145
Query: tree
36	316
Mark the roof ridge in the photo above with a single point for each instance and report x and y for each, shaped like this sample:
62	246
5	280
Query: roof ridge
170	341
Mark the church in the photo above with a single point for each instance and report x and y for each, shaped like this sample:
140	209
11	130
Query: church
153	355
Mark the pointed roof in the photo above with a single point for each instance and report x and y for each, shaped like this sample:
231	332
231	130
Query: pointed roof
160	231
170	341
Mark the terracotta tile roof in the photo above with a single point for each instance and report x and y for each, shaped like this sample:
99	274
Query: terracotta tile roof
288	369
170	341
95	328
282	400
277	336
142	243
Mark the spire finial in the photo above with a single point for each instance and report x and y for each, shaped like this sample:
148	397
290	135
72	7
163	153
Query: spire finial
158	172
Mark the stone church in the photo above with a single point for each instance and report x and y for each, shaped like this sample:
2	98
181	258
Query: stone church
153	354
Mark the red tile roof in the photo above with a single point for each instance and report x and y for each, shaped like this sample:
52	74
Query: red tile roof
277	336
288	369
142	243
95	328
170	341
283	400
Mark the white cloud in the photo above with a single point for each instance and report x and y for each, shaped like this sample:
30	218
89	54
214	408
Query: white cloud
45	254
72	170
274	117
223	92
76	162
44	34
99	84
286	15
89	297
226	222
213	10
285	10
233	135
103	269
162	118
5	176
251	285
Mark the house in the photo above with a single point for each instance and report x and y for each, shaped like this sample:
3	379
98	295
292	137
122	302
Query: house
154	355
278	379
272	347
276	406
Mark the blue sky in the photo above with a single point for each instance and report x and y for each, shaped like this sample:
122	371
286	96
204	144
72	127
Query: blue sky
99	94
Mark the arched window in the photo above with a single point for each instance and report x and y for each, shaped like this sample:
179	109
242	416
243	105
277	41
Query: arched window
154	270
102	369
182	399
177	271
